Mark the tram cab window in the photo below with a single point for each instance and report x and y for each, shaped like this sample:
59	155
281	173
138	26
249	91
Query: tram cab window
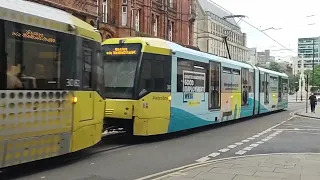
155	74
87	68
33	57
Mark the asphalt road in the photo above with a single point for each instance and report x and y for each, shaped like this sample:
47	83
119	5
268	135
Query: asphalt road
167	152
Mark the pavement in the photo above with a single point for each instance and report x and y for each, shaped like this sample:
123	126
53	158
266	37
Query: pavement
310	114
256	167
281	132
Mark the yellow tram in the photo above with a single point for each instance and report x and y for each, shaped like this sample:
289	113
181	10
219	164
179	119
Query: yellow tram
50	67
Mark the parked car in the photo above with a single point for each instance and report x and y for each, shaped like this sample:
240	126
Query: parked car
317	94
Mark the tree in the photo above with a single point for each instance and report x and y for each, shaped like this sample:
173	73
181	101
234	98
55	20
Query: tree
316	81
274	66
293	82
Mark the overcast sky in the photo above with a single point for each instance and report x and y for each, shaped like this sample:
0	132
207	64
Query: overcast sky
289	15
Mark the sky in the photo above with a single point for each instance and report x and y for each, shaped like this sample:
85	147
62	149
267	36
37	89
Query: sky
290	16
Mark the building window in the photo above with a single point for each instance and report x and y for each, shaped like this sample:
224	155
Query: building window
155	21
124	16
132	19
170	2
137	21
170	30
124	1
105	11
188	35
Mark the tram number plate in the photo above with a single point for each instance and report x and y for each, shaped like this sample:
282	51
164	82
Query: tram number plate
73	83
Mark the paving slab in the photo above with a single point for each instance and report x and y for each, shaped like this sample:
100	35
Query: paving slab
295	166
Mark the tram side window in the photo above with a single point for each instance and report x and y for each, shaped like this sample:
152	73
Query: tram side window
285	86
251	82
245	84
267	87
155	74
214	85
262	83
187	69
3	62
87	68
33	57
280	89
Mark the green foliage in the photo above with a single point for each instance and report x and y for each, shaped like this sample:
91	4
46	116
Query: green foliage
275	67
293	83
316	81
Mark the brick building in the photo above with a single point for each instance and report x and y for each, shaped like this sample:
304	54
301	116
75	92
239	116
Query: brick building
168	19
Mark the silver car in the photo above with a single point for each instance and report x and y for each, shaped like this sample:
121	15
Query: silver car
317	94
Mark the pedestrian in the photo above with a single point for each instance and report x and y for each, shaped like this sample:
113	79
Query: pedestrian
313	102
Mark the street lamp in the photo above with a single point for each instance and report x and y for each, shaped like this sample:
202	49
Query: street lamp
225	37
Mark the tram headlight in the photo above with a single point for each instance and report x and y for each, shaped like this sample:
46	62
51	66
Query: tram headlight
74	100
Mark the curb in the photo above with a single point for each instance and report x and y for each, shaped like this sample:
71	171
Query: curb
302	115
167	173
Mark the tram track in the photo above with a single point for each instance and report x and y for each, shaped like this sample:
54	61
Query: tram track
108	143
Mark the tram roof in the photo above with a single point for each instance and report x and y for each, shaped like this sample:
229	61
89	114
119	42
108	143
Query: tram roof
174	47
34	14
272	72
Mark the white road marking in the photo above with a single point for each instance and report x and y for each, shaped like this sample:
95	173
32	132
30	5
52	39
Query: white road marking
203	159
302	126
241	152
232	146
303	132
247	148
254	145
297	129
244	150
223	150
214	154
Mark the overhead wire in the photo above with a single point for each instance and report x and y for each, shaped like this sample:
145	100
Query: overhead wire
237	23
254	27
